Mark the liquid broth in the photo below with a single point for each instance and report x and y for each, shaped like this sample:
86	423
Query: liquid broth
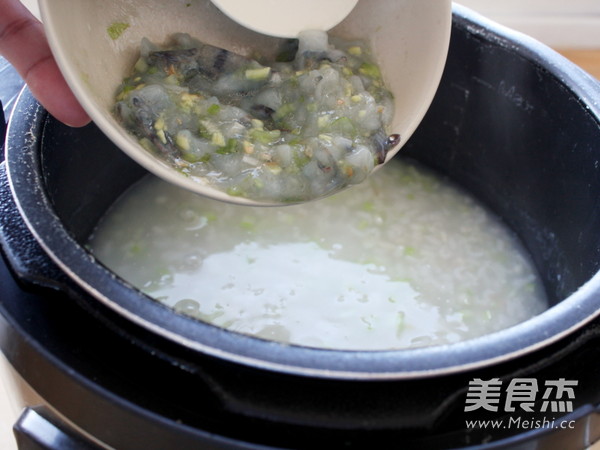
403	260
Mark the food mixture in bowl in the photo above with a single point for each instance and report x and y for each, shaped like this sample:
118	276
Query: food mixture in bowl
403	260
301	127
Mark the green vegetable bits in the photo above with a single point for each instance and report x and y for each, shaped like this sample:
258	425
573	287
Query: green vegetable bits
278	131
116	29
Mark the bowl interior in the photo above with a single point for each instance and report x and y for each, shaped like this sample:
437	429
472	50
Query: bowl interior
410	39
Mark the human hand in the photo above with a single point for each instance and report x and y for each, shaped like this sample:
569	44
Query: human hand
23	43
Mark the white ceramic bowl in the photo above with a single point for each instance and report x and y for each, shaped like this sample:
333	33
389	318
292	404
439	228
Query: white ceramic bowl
410	39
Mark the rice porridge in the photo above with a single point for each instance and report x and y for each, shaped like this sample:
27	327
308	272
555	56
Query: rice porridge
403	260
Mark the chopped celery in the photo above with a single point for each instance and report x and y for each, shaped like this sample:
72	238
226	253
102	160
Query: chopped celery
355	50
116	29
370	70
284	110
401	324
364	224
248	224
410	251
182	142
162	136
323	121
211	217
141	65
344	126
368	207
213	109
265	136
301	159
218	139
159	124
235	191
257	123
228	148
195	157
258	74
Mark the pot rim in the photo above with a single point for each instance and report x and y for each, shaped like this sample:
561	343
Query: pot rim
27	186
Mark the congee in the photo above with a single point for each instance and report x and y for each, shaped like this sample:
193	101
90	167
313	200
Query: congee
302	126
405	259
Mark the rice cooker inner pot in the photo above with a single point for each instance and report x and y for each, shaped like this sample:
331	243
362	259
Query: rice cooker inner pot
512	122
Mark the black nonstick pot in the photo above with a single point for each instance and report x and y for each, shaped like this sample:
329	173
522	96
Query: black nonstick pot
513	122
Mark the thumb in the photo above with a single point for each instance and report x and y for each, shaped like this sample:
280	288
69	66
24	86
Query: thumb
23	43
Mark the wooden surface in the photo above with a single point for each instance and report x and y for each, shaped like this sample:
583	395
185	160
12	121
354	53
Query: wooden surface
589	60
